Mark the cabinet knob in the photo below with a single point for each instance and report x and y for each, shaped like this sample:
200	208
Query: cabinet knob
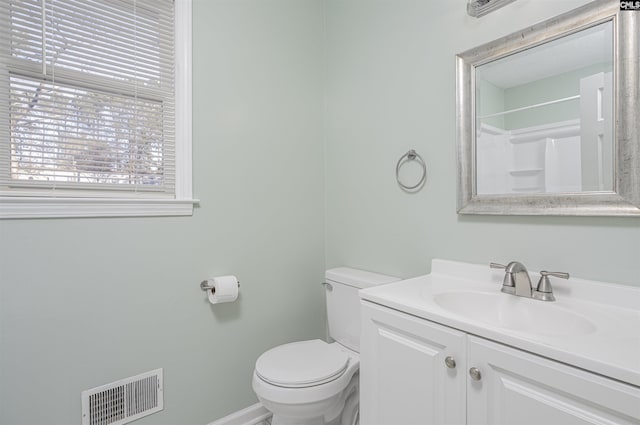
475	374
450	362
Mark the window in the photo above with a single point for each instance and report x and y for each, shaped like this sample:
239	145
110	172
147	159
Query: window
95	108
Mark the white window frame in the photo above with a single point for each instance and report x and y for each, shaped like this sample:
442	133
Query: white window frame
12	206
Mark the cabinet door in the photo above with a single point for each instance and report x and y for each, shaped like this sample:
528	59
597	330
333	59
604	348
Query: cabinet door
516	388
403	376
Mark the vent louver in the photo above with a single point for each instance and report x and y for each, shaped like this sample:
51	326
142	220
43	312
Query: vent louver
123	401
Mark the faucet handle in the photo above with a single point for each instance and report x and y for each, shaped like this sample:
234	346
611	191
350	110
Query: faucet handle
561	275
508	285
544	291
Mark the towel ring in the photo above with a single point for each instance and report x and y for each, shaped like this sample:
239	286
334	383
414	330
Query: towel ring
411	155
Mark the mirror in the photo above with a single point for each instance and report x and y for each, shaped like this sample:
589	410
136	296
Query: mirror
548	118
544	117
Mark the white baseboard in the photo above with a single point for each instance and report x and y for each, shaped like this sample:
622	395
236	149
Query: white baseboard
252	415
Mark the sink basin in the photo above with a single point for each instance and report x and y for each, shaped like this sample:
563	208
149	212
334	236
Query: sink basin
516	313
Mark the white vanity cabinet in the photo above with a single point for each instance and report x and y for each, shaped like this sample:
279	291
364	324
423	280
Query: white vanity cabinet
403	376
517	387
408	378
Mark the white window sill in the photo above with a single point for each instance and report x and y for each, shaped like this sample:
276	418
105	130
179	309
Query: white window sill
25	207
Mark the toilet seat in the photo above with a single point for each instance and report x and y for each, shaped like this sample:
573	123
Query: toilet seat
302	364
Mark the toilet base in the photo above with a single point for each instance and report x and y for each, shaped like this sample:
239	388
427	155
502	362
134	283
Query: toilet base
341	409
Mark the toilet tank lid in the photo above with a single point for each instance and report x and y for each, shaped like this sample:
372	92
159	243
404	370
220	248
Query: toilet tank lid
357	278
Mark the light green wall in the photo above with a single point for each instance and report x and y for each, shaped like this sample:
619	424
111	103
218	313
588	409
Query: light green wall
391	87
84	302
544	90
490	100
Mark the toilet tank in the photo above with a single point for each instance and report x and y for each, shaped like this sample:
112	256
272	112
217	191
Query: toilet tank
343	302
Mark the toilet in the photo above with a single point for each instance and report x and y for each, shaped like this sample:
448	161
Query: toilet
314	382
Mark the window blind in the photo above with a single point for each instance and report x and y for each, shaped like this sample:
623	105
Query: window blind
90	90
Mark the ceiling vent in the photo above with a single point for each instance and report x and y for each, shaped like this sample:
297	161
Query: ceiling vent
478	8
123	401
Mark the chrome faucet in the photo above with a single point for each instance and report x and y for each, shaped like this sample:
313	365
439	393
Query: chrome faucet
517	281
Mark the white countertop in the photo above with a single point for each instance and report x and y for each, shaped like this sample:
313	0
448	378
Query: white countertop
611	348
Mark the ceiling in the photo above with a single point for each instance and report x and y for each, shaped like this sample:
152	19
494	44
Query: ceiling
591	46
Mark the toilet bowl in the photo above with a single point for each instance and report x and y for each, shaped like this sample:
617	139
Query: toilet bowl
307	382
312	388
314	382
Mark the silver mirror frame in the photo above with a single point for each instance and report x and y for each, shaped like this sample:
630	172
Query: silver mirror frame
624	200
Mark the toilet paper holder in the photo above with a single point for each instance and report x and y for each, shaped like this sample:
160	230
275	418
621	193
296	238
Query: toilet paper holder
205	286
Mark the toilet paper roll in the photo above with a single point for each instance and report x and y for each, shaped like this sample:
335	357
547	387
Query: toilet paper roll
225	289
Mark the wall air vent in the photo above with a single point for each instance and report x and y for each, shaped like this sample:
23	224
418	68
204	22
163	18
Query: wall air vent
123	401
478	8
